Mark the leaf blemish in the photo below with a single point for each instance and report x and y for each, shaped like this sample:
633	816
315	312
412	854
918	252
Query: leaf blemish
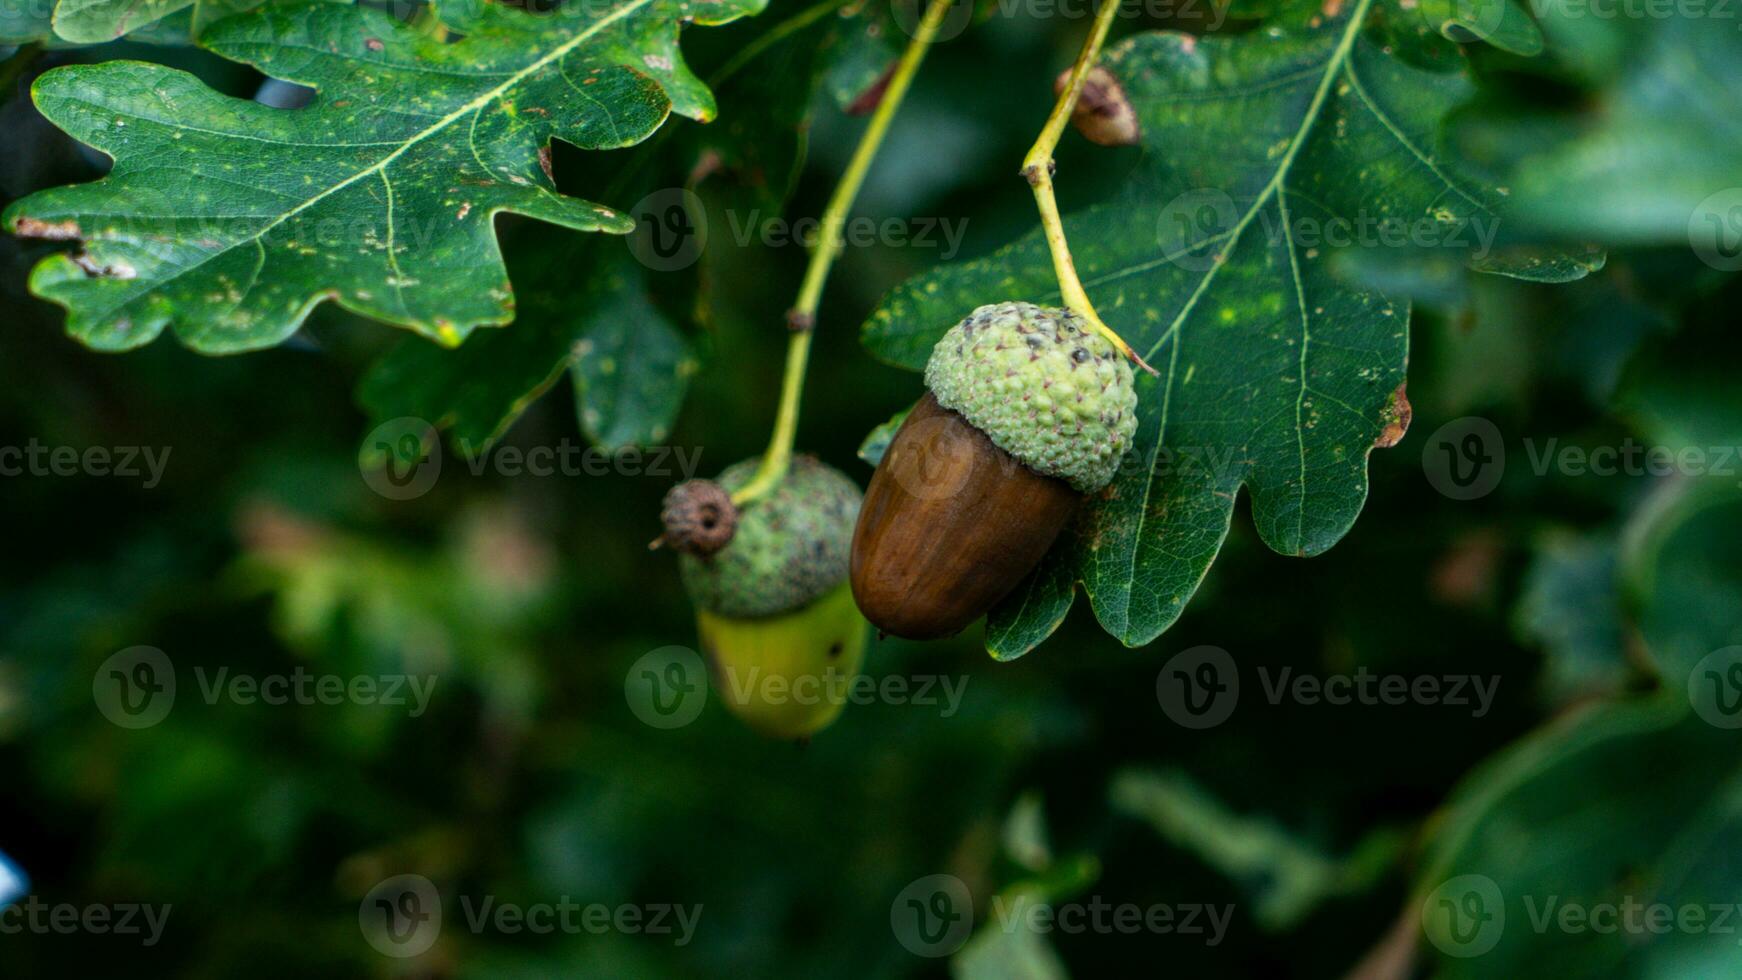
55	231
115	270
1396	416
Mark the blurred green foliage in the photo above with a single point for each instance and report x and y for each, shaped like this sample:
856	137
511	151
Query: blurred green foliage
1595	603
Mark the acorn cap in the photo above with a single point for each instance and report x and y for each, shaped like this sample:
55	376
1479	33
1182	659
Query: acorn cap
1044	387
790	545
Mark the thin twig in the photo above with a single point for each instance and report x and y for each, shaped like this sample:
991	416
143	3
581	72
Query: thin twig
1038	167
801	319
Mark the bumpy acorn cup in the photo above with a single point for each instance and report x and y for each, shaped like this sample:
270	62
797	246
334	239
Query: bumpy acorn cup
774	612
1027	412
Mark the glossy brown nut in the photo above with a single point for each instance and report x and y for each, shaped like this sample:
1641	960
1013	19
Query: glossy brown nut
950	524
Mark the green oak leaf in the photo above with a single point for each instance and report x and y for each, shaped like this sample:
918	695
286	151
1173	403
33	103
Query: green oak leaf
164	22
478	390
1636	803
25	21
1656	159
1502	23
1275	375
96	21
1570	604
228	220
630	365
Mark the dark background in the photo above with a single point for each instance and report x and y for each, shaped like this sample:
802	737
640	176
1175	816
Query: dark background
529	778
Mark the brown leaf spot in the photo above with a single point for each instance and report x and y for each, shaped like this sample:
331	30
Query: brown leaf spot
58	231
1396	417
1102	114
373	44
117	270
544	160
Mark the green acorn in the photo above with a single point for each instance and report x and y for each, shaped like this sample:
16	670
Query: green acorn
774	612
1028	411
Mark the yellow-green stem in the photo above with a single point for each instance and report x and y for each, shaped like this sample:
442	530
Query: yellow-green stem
801	319
1037	167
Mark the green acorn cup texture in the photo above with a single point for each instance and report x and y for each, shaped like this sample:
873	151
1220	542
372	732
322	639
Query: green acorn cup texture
1027	411
769	581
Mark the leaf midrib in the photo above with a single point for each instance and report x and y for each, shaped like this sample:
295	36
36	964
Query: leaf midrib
1310	118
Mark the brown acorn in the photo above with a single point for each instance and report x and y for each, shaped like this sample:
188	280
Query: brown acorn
1027	412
